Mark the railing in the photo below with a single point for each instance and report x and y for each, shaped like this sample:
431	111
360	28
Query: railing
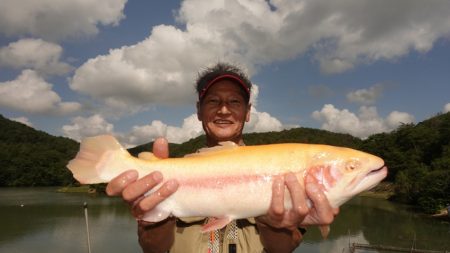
355	246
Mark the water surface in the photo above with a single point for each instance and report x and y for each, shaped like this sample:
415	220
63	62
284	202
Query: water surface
42	220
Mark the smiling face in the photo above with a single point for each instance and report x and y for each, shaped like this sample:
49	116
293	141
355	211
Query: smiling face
223	112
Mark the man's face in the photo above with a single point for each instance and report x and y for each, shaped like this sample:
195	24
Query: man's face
223	112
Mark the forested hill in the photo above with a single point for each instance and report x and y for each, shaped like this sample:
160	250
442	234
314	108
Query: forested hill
418	155
296	135
33	158
418	158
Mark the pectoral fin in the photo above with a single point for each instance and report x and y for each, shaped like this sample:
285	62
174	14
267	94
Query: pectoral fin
324	231
155	215
223	146
215	223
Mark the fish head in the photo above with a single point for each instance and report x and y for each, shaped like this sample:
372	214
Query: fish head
346	172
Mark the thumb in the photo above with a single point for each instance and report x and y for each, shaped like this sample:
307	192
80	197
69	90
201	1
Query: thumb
161	148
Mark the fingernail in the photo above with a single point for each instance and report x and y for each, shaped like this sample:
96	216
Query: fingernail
157	176
290	177
132	175
172	185
278	184
312	187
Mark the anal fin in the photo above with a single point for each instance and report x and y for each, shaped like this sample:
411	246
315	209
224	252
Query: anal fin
215	223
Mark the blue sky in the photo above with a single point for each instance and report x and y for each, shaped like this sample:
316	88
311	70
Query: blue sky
127	68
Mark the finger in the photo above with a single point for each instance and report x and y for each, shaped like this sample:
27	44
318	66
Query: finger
298	195
135	190
325	212
277	203
151	201
119	183
161	148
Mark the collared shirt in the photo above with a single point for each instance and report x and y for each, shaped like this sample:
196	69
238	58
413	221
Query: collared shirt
189	238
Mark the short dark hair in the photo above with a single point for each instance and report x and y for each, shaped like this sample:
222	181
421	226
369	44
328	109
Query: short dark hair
223	71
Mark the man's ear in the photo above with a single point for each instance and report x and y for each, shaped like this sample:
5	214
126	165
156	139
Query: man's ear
198	110
247	116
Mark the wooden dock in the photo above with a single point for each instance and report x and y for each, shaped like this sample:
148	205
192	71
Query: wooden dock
355	246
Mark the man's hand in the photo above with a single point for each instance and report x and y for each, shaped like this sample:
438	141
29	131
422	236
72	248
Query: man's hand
321	213
133	189
318	213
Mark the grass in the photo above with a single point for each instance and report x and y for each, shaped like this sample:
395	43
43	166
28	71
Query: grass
75	189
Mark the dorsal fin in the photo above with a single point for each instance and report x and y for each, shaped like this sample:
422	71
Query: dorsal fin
226	145
148	156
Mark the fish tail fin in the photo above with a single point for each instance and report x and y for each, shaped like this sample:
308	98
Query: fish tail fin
94	158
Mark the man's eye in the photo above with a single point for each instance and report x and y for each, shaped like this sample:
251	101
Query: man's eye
213	101
235	102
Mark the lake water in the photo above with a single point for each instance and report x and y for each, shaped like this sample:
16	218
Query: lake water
42	220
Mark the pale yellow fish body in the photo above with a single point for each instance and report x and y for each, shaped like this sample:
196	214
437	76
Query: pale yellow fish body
230	181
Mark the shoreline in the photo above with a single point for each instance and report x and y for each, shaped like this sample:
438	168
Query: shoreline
77	189
383	190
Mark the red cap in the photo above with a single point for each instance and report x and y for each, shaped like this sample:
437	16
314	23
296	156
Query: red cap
224	76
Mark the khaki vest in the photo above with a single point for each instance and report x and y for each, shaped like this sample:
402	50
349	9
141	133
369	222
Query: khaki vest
189	239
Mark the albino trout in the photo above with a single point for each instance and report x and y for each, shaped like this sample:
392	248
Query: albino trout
231	182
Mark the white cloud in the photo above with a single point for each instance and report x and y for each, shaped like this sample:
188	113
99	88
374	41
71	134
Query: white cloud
36	54
23	120
191	128
446	108
342	34
396	118
82	127
31	93
262	122
366	123
54	19
339	35
366	96
161	69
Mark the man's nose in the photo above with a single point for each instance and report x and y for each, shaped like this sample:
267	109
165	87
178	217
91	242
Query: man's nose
223	108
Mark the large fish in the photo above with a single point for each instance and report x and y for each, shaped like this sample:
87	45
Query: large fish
229	181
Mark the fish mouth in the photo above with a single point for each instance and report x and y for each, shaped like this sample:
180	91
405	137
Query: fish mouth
370	180
377	171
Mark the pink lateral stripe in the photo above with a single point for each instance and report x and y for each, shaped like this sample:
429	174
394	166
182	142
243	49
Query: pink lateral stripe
219	182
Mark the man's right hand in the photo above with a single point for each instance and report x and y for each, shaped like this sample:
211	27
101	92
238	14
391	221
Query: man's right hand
133	189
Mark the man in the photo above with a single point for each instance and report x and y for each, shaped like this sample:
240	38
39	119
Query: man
223	108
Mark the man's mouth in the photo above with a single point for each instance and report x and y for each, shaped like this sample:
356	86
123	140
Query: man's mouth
222	122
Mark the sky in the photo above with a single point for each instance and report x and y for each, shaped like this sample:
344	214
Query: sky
82	68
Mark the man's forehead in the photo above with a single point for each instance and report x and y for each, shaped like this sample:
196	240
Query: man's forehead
225	86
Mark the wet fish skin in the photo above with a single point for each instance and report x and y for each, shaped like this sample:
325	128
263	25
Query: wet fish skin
229	181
